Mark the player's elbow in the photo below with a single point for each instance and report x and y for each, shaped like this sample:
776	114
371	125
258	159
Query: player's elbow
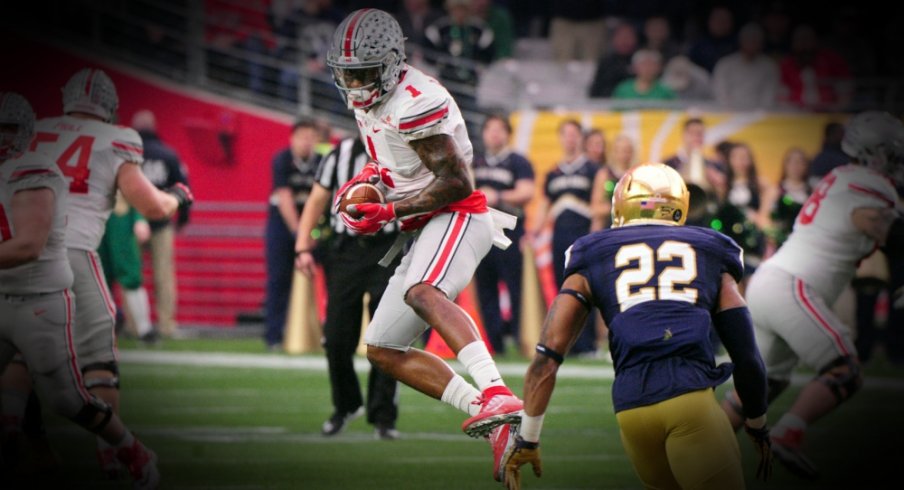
155	212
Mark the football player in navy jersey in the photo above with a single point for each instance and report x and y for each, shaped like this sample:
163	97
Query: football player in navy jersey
660	288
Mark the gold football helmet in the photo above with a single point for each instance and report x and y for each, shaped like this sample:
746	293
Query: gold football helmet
650	193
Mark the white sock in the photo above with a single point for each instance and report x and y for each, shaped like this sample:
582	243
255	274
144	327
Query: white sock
13	405
139	307
480	365
788	421
461	395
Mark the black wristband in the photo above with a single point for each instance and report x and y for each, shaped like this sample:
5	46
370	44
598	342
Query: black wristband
576	295
303	251
546	351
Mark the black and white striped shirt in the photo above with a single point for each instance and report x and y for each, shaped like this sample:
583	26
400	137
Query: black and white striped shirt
337	168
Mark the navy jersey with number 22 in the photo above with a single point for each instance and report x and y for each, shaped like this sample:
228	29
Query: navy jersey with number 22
656	287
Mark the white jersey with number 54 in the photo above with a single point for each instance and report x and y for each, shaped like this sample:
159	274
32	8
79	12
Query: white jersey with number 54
89	154
825	248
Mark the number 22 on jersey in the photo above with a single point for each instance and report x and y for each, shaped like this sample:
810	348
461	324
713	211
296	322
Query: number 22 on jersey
638	262
73	161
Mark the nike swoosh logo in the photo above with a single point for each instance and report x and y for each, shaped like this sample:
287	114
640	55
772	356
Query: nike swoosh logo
495	380
377	130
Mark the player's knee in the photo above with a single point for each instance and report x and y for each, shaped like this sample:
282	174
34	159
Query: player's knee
843	377
378	356
93	415
101	375
421	296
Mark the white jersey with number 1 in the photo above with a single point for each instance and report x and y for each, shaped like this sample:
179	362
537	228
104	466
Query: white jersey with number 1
419	107
825	248
89	153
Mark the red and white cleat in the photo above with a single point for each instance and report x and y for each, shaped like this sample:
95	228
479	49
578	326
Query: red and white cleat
498	405
502	440
787	450
142	465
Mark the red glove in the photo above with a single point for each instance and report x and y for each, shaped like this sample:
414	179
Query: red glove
373	217
371	173
416	222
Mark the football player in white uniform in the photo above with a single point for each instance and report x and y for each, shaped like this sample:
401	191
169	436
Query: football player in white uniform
98	158
850	213
36	303
416	137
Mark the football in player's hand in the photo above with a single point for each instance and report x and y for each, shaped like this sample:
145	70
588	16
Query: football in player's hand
360	193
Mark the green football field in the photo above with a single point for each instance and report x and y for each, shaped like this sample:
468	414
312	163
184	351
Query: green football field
222	415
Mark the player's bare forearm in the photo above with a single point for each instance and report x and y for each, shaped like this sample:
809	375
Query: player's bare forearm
561	328
874	222
539	384
440	154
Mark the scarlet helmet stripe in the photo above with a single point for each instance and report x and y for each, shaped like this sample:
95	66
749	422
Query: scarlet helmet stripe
350	31
88	81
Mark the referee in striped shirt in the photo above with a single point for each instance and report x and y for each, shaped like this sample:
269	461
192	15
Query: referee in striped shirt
350	264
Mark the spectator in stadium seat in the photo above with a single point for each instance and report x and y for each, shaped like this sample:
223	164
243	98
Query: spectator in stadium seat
776	23
747	79
623	157
718	41
293	172
233	31
812	76
461	40
615	66
831	155
507	179
499	19
691	163
414	17
577	29
164	168
646	83
311	26
657	35
688	81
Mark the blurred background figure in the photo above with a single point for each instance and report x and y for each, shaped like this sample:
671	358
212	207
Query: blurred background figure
293	172
623	157
615	66
577	29
595	146
813	76
414	16
690	161
507	179
688	81
657	36
747	79
163	167
120	259
499	20
787	198
565	207
742	212
831	155
646	84
718	41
